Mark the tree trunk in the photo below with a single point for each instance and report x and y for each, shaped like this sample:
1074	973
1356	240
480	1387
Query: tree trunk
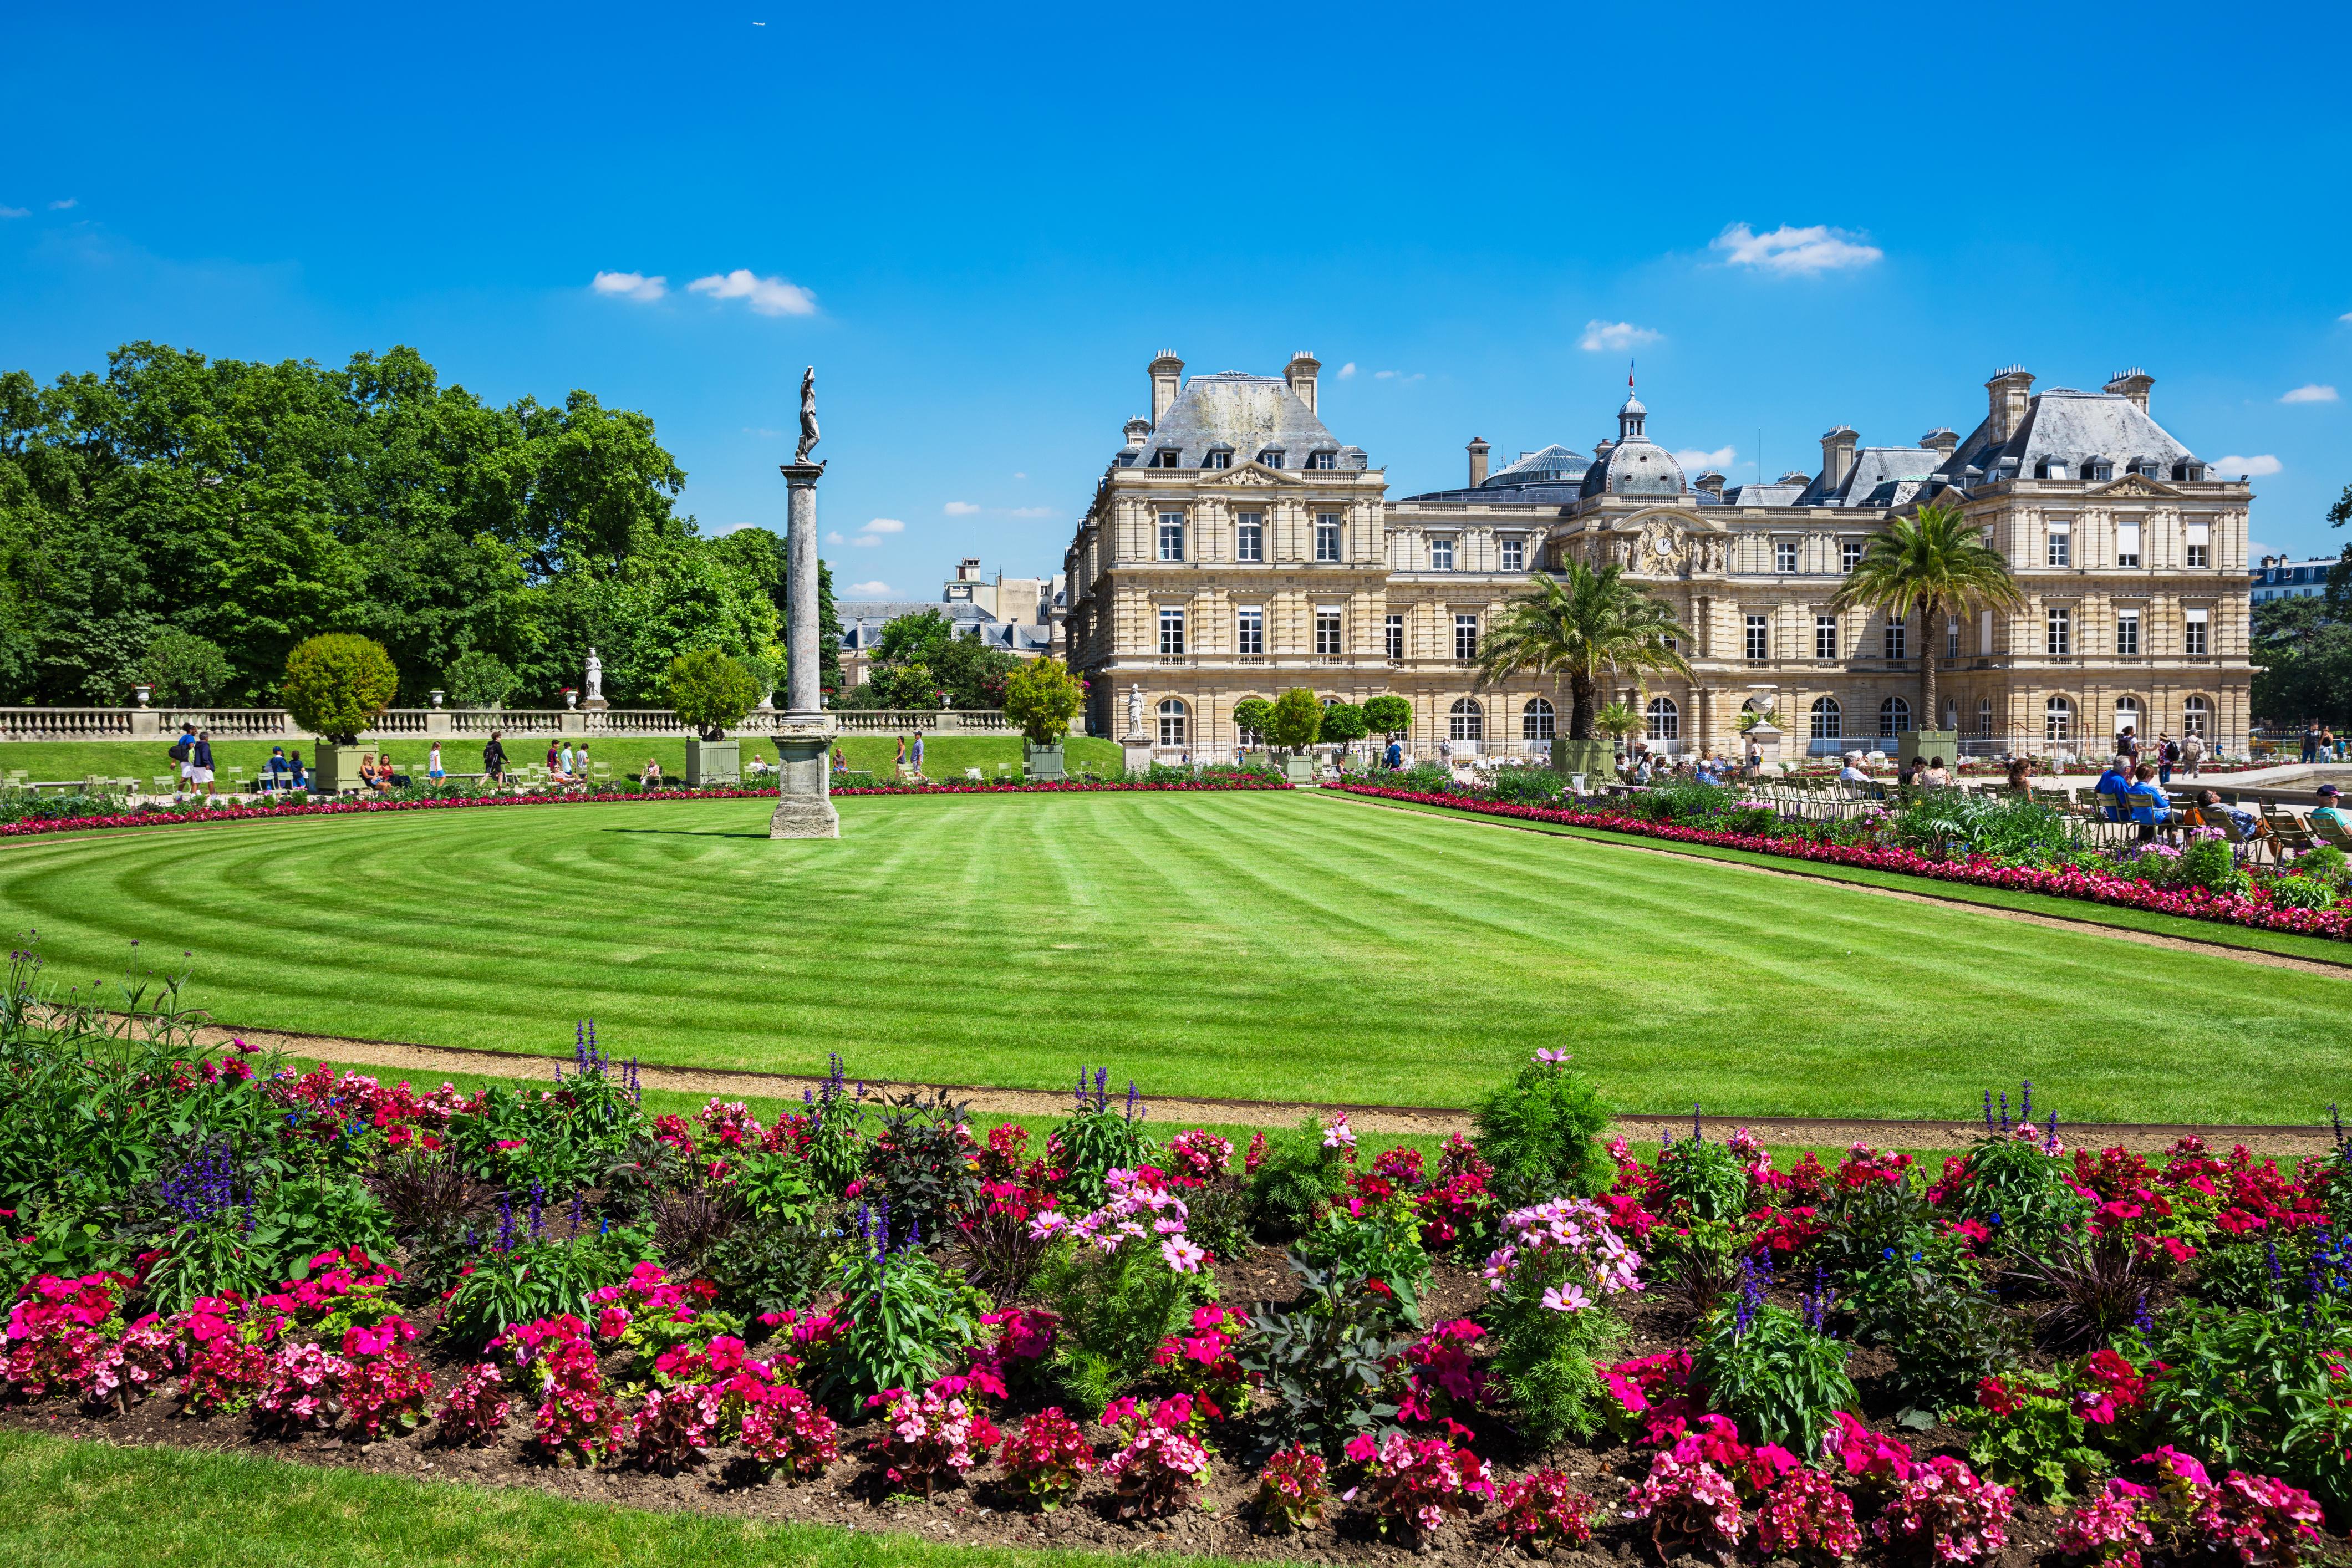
1579	707
1932	622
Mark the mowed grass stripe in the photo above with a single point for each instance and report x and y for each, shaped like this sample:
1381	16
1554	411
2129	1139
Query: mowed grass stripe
1252	946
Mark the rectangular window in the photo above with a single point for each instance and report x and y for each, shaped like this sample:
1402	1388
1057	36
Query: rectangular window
1441	553
1327	633
2201	543
1897	637
1952	638
1249	537
1395	633
1759	637
2126	545
1784	556
1825	637
1171	536
1848	554
2061	546
1218	459
2127	633
1322	461
2194	641
1249	632
1172	633
2060	624
1466	636
1984	633
1327	536
1515	554
1164	459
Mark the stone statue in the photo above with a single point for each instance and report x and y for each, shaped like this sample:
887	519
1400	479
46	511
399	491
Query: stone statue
1135	709
808	415
596	676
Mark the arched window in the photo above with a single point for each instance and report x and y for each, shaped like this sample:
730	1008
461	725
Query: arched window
1467	721
1536	719
2058	719
1173	725
2130	716
1952	714
2196	715
1665	720
1984	718
1894	717
1829	723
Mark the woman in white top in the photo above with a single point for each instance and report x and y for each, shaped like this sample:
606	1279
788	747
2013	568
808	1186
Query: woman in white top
433	765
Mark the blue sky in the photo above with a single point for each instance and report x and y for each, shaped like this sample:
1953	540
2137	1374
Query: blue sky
980	222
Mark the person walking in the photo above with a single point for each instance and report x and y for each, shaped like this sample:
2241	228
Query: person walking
433	769
299	779
580	762
2167	756
2127	744
200	760
917	756
2192	752
898	763
183	752
494	760
2311	742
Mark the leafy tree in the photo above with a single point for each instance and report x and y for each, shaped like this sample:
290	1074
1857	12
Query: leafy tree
337	685
1932	562
914	639
1042	696
477	680
1751	717
1295	719
186	669
1388	714
2303	663
1253	716
1344	721
709	690
1587	625
918	660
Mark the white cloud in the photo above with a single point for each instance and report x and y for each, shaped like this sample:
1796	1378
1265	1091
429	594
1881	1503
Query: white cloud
1398	375
1617	335
631	286
871	590
834	538
1695	461
2346	318
1817	248
767	296
16	212
2230	467
1348	371
867	539
2314	392
883	525
1031	512
960	509
65	205
1020	476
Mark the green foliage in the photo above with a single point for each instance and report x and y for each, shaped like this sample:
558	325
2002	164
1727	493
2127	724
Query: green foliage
2254	1390
1709	1177
918	660
918	1165
2022	1193
538	1280
2207	863
1099	1137
1616	721
337	685
1344	721
1297	1180
1388	714
186	669
1042	697
1945	1332
1323	1361
563	1141
1959	821
1541	1133
2303	660
1295	720
1253	716
1383	1243
775	1185
477	679
1115	1308
1682	800
761	1269
908	1318
710	690
2043	1445
1778	1377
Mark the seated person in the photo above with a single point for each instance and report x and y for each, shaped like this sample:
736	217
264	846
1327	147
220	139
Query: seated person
2146	803
2017	777
2242	825
1935	775
652	777
1851	772
757	767
2330	808
2115	781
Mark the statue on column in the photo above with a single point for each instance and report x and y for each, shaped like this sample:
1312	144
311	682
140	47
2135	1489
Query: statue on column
808	415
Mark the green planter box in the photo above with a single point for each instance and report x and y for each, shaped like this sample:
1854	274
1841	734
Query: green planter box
1043	763
713	763
1300	770
335	770
1944	744
1593	759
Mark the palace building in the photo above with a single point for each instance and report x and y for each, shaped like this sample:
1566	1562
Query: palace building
1236	548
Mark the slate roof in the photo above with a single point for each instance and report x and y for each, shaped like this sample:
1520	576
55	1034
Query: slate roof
862	620
1244	412
1880	477
1550	476
1783	494
2063	423
1635	466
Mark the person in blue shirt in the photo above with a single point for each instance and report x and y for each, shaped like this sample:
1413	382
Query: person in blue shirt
2146	803
2115	781
201	761
1396	754
274	770
297	778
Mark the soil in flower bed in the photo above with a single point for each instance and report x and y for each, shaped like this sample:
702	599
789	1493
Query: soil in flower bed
852	1492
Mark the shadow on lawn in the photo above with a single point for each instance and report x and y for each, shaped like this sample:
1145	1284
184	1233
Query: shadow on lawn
686	832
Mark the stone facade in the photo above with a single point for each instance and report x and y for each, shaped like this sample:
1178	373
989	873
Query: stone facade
1234	548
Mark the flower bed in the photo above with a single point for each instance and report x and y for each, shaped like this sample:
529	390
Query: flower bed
1707	1352
2255	910
158	817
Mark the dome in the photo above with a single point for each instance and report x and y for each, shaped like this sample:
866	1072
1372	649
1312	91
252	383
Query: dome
1554	465
1634	466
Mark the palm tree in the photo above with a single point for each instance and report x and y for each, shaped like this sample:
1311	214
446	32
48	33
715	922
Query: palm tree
1585	625
1933	563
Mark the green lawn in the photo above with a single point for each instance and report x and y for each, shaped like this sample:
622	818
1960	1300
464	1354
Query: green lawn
1258	946
944	757
70	1504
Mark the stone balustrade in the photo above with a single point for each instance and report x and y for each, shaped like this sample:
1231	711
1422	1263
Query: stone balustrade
423	723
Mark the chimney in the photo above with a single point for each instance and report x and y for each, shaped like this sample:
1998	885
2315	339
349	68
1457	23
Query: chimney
1300	374
1478	449
1940	441
2008	392
2132	383
1167	377
1709	483
1137	429
1837	454
967	569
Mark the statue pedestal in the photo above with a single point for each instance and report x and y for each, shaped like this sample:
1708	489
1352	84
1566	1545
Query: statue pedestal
594	705
804	806
1135	752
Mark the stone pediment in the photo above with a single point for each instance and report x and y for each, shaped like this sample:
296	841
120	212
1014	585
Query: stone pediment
2133	487
1669	543
1252	475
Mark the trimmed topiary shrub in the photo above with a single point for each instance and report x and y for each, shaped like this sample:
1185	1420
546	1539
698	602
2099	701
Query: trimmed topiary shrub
710	690
337	685
1042	697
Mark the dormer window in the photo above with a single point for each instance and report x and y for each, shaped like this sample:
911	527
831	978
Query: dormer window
1164	459
2188	470
2050	468
2098	469
1218	458
2143	466
1271	457
1323	460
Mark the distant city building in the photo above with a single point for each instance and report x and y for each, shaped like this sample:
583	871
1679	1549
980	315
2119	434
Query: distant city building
1019	615
1236	547
2277	577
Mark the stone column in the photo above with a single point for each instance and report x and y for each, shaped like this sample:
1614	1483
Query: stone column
804	731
